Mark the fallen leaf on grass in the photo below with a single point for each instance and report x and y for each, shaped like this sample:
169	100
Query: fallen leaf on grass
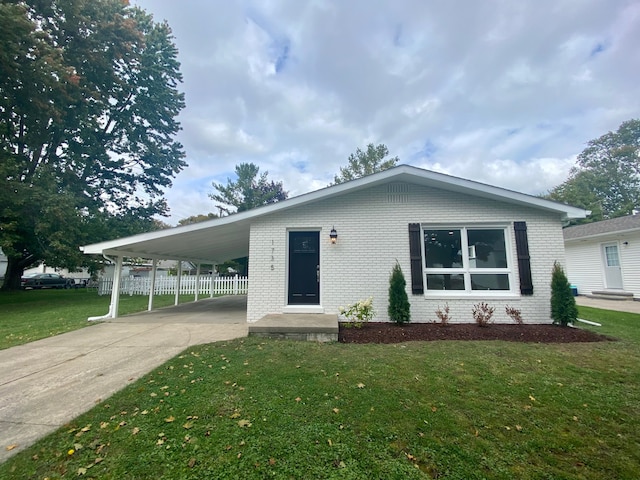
532	398
135	431
272	461
361	385
244	423
336	410
188	425
518	428
192	462
82	471
298	399
170	419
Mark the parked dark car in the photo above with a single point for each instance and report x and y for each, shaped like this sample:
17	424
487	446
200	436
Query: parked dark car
46	280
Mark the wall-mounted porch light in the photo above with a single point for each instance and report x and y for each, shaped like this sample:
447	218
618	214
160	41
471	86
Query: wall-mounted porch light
333	236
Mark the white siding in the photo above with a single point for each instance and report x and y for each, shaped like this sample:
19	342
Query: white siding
585	265
372	231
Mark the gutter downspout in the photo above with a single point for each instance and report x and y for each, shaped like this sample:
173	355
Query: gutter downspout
115	292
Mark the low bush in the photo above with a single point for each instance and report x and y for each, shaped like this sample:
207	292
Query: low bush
359	313
483	314
443	315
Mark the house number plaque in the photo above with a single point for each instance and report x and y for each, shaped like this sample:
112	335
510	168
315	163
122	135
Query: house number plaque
272	252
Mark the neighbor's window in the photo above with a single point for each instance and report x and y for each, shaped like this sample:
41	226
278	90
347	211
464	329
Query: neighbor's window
465	259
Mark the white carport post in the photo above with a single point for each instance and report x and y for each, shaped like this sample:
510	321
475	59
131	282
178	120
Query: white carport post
213	279
152	283
115	291
178	282
197	282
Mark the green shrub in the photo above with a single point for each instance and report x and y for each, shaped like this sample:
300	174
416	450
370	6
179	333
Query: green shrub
399	309
563	304
359	313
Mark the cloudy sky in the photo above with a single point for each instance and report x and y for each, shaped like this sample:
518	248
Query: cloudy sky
500	91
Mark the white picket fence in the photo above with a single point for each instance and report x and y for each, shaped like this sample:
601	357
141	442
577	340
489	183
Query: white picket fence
167	285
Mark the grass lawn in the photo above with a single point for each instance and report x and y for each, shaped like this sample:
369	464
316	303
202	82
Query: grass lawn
34	314
256	408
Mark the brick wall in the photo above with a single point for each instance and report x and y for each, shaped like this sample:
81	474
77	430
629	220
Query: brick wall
372	228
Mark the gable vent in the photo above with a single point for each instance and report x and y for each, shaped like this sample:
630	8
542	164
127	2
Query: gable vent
398	193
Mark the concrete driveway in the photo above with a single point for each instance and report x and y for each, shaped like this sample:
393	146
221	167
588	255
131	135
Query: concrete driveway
47	383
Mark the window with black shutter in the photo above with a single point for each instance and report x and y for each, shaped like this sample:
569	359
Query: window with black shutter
524	260
415	252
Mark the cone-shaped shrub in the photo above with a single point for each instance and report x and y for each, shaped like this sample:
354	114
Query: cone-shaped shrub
399	308
563	305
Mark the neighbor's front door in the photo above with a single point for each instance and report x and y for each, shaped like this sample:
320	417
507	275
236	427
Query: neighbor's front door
612	270
304	268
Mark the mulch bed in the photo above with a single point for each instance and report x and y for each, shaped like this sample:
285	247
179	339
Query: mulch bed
375	332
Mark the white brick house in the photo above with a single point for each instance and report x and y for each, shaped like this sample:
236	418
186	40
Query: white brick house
458	242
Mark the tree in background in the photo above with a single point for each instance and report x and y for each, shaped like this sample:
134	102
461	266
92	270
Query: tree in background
249	191
606	179
563	304
365	163
197	218
399	309
88	107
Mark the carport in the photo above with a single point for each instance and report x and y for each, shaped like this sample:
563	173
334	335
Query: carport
210	242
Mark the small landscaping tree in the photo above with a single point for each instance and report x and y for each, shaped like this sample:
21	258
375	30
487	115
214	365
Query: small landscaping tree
399	309
563	304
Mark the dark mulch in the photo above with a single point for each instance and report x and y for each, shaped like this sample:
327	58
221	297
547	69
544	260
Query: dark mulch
374	332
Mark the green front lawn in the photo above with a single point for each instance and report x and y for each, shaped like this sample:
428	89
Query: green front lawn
256	408
34	314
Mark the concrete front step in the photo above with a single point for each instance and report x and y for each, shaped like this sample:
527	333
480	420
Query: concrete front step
611	295
297	326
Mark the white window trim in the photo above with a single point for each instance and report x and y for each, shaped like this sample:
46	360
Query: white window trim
467	271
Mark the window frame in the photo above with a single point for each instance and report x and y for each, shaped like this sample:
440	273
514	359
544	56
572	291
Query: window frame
466	270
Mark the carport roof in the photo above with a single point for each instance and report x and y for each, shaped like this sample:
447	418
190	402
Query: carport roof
220	239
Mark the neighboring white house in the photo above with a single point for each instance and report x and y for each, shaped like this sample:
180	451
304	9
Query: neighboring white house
604	257
458	242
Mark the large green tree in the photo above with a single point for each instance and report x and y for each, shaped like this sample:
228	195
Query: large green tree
250	190
365	163
606	178
88	105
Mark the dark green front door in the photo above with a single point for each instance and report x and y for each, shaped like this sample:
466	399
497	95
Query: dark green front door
304	268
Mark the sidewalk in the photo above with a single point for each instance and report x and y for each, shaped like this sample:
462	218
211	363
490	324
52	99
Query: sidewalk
47	383
616	305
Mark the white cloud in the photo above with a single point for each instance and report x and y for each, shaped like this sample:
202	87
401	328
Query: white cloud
506	93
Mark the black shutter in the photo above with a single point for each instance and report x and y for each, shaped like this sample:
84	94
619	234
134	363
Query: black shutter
524	264
415	253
